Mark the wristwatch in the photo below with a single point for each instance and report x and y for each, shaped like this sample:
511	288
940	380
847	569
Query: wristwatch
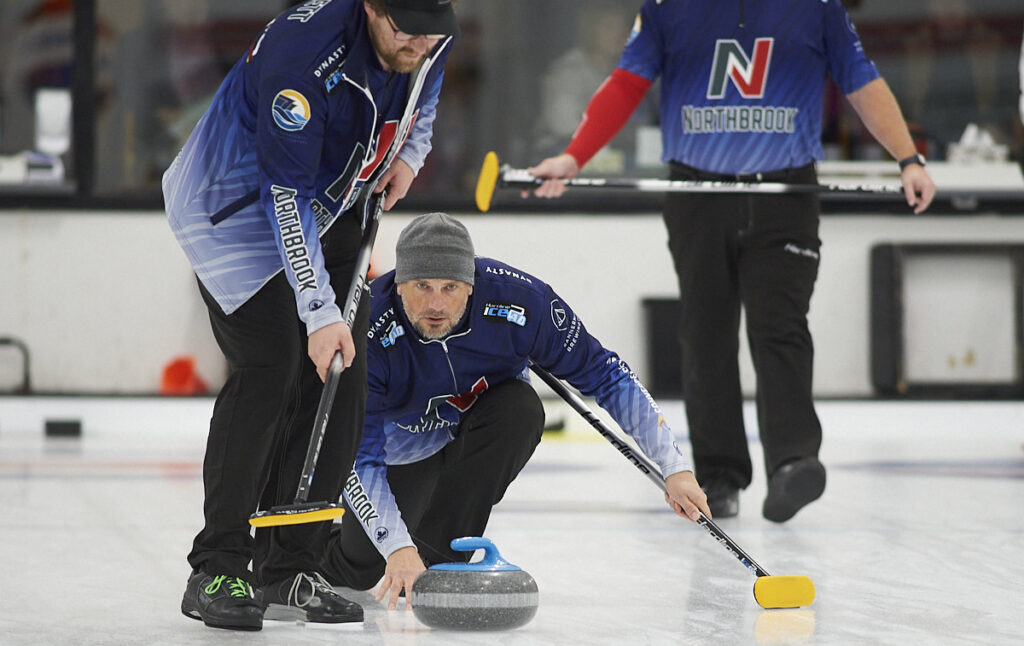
916	158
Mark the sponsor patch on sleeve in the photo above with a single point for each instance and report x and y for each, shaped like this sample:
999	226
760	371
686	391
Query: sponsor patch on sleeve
391	336
291	110
505	313
566	321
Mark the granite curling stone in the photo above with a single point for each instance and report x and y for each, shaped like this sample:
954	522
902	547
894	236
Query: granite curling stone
490	594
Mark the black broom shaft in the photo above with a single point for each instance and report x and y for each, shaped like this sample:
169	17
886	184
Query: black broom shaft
514	178
355	292
643	464
323	411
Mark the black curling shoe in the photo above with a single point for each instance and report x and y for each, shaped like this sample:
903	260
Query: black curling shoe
793	485
222	602
307	597
723	498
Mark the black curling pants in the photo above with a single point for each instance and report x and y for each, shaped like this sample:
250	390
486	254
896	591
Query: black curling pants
451	493
761	252
262	421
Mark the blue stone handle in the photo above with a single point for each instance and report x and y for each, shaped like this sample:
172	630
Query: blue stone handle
473	543
491	562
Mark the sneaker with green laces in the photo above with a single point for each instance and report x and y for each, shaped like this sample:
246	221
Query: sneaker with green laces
222	602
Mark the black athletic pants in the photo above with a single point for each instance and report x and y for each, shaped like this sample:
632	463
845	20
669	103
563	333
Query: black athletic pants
262	421
451	493
761	251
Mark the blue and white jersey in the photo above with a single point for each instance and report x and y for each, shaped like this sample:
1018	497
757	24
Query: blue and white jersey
743	81
420	389
299	125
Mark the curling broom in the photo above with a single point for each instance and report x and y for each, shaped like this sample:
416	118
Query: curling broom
493	176
300	511
788	591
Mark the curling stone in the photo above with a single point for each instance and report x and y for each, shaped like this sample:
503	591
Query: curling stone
490	594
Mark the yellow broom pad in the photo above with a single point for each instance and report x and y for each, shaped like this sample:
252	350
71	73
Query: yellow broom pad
274	519
784	591
486	182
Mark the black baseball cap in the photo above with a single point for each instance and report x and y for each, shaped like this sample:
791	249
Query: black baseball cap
418	17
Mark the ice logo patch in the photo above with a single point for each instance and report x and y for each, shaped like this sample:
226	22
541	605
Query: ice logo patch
394	332
291	110
381	534
332	81
515	314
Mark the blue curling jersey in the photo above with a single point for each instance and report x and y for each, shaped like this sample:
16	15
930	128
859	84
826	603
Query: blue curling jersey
419	389
743	80
301	123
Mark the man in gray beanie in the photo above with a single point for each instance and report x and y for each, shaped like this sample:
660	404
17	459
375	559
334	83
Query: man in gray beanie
434	247
451	417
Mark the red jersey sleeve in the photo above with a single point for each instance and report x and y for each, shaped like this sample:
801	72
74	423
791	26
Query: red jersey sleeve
609	109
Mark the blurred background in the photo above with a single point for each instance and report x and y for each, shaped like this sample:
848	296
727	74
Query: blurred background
137	76
97	97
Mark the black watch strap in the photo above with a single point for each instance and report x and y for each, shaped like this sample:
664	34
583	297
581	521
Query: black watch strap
916	158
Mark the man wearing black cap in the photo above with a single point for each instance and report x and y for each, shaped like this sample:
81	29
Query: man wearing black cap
334	98
451	417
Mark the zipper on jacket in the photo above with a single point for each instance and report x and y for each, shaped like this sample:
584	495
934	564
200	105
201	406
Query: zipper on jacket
365	89
404	124
451	369
455	384
742	18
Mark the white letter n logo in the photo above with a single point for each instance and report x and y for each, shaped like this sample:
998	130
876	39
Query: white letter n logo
749	76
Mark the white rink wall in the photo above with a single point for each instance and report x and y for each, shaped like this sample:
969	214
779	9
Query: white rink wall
105	300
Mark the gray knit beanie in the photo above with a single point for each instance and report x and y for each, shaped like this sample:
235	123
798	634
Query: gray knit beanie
434	245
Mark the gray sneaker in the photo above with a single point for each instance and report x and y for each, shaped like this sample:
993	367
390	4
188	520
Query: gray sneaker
307	597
